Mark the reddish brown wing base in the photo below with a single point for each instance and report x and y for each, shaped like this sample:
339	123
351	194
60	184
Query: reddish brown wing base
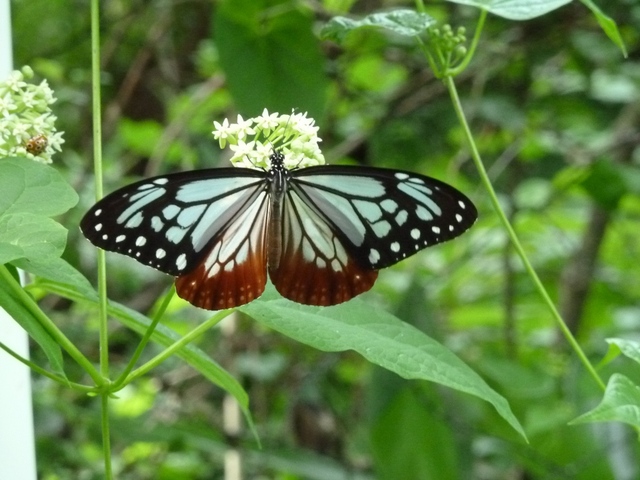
294	279
227	278
226	289
301	282
306	283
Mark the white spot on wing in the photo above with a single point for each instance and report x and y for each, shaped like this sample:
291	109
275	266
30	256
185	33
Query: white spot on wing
134	221
462	205
435	230
369	210
98	227
401	217
98	212
395	247
160	253
401	176
156	224
374	256
389	205
170	211
175	234
140	241
415	234
381	228
458	217
423	213
120	238
181	261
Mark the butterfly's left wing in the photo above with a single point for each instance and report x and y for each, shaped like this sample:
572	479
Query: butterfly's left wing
207	227
341	224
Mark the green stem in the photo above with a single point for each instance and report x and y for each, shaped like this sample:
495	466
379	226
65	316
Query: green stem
106	440
512	234
472	49
27	301
97	167
46	373
102	268
192	335
117	385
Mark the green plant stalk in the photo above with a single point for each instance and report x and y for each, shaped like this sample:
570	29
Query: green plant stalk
49	326
448	80
106	433
102	268
46	373
472	49
120	382
188	338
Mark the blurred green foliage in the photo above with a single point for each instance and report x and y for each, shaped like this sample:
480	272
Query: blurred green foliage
555	109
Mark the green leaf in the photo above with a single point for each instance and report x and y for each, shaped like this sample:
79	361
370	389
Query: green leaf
621	403
271	58
31	187
405	418
605	184
401	22
32	192
379	337
515	9
628	348
30	236
607	24
140	136
17	310
164	336
60	271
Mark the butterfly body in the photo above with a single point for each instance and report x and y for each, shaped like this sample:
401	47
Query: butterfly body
321	233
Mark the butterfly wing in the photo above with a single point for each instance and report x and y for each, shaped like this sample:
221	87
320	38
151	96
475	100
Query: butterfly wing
315	267
206	227
341	224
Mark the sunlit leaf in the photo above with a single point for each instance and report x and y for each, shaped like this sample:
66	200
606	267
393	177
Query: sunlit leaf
379	337
621	403
400	22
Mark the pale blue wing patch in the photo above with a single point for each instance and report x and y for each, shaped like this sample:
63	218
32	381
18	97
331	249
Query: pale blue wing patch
383	216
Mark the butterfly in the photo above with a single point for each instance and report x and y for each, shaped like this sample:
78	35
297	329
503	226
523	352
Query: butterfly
322	232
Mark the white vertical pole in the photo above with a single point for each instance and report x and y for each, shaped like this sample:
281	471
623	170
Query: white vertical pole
17	449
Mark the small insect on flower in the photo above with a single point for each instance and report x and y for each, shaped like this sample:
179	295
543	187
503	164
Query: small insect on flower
36	145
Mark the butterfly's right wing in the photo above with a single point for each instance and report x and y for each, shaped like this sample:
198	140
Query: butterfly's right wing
207	227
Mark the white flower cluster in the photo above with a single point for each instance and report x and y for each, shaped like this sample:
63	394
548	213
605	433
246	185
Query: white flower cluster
254	140
26	122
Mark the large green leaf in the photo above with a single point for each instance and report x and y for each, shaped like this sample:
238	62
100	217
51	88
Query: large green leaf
26	235
621	403
29	321
629	348
516	9
401	22
379	337
32	192
270	57
162	335
31	187
424	446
